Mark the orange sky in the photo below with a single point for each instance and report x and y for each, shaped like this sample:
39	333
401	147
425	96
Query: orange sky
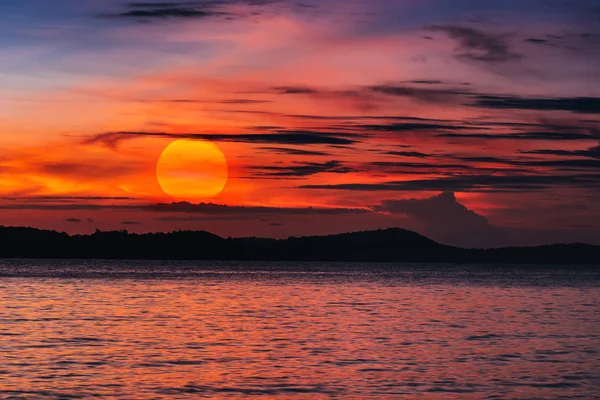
331	118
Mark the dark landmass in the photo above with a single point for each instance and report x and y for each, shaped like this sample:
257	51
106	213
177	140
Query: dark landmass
390	245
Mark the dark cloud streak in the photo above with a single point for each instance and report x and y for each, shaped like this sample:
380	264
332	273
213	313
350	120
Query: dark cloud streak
300	170
300	138
209	209
476	183
148	11
545	136
477	45
294	152
581	105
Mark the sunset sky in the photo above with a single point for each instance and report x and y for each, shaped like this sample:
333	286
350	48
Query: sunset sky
476	123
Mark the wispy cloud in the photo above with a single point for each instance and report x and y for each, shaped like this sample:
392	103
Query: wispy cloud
477	45
152	11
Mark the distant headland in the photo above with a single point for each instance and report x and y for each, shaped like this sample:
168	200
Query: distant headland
389	245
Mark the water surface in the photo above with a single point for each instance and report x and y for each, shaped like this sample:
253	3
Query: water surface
137	330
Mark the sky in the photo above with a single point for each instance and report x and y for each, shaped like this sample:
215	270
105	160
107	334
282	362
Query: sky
476	123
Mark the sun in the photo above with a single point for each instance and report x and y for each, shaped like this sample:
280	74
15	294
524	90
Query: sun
192	170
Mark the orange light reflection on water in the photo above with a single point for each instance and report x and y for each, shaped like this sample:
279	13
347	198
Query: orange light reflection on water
287	338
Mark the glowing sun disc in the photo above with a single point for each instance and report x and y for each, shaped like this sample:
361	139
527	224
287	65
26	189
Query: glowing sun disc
192	170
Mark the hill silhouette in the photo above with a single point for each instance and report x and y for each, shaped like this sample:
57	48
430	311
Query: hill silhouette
389	245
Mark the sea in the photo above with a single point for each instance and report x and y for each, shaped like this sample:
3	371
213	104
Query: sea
190	330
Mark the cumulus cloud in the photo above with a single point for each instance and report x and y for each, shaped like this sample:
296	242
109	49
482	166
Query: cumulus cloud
444	219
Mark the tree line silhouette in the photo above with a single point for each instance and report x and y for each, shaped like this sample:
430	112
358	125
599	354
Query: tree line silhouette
389	245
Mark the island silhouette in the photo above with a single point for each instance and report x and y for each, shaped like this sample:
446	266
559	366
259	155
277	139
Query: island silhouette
384	245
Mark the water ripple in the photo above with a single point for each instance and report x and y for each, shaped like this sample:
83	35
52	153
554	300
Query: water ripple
166	331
